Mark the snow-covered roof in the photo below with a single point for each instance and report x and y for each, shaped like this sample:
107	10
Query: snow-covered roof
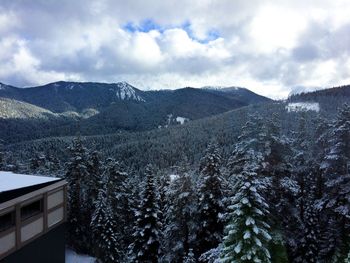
11	181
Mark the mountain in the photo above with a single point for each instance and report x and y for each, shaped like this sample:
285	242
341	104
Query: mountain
73	96
100	108
326	98
341	92
238	93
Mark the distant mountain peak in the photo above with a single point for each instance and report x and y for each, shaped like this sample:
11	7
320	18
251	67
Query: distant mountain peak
125	91
221	88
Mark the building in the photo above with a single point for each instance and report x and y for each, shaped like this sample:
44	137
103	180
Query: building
32	219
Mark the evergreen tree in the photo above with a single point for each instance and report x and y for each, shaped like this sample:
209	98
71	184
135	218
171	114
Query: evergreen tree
76	172
252	137
210	206
189	258
180	228
94	169
115	179
103	225
163	182
279	193
309	238
336	169
145	247
347	260
247	234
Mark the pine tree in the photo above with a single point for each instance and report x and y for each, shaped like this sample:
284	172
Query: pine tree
189	258
337	159
279	193
103	225
180	227
76	173
247	234
336	172
309	238
210	206
347	260
163	182
145	247
94	169
115	179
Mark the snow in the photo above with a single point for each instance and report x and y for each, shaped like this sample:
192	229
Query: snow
173	177
181	120
127	92
10	181
73	257
303	106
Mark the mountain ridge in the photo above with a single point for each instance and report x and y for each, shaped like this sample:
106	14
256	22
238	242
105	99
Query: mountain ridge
101	108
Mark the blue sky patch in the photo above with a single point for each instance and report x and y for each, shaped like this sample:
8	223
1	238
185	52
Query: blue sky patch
144	26
149	25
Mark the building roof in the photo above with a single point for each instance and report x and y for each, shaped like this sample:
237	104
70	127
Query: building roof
10	181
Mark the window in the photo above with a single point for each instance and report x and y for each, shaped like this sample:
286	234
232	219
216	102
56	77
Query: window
7	221
32	209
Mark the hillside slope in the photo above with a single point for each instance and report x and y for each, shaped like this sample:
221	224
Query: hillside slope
99	108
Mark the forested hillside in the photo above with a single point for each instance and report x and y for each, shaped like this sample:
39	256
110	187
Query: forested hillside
263	183
100	108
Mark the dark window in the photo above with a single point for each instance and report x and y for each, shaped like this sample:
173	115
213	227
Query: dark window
7	221
32	209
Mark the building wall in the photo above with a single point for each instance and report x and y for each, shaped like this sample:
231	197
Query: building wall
48	248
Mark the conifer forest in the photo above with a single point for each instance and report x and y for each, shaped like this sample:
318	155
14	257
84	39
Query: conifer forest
267	182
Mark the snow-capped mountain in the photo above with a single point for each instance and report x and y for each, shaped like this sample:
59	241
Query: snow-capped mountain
105	108
125	91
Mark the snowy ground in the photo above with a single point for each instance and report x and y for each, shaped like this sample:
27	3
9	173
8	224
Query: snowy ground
303	106
181	120
72	257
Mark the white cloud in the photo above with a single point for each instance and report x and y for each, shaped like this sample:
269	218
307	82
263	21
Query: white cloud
276	27
267	46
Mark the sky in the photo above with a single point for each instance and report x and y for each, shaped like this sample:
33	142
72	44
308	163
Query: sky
271	47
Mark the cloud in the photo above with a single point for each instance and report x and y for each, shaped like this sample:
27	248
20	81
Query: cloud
271	47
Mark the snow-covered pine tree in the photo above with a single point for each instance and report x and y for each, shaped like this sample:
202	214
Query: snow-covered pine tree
301	164
336	169
76	173
309	236
189	258
115	179
336	161
210	198
133	186
179	234
106	247
327	223
299	229
253	136
145	247
277	169
347	260
261	143
247	233
163	182
94	168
